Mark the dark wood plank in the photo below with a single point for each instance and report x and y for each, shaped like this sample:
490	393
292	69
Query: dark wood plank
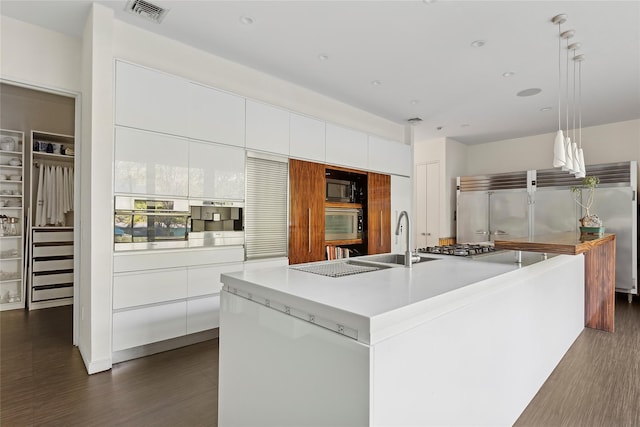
599	286
568	243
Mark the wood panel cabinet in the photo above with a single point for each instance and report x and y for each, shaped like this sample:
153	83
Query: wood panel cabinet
306	221
378	213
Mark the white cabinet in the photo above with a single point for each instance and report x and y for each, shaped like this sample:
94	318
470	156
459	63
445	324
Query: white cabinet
203	313
150	163
216	116
346	147
216	171
149	99
267	128
149	287
307	138
133	328
12	290
389	156
204	280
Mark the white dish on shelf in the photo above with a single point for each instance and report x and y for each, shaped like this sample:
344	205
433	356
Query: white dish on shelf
15	177
15	162
3	177
8	143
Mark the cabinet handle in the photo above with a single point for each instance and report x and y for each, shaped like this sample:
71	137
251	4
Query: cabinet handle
309	236
381	229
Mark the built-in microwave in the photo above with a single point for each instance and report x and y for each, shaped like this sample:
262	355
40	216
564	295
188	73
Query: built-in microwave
343	224
339	190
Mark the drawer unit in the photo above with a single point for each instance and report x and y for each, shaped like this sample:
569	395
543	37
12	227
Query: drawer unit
136	327
51	266
203	313
149	287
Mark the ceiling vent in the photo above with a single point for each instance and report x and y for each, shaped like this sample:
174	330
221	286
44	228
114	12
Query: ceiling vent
414	120
146	10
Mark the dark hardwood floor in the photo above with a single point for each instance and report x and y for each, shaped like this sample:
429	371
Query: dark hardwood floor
43	381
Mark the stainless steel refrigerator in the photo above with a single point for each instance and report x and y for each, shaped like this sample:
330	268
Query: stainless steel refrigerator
492	206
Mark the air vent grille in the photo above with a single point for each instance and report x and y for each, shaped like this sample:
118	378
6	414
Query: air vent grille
146	10
501	181
609	174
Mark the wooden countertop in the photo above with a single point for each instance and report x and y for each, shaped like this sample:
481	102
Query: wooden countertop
567	243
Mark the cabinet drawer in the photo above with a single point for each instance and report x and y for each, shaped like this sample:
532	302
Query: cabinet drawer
206	280
52	236
52	279
149	287
61	264
134	328
57	250
203	314
51	293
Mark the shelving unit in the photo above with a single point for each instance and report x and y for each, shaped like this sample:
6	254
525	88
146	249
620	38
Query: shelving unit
50	239
12	261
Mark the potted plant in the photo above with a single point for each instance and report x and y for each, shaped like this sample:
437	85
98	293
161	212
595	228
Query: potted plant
589	223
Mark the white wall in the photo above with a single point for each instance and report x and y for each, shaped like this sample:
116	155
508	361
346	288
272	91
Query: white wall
145	48
614	142
96	166
34	55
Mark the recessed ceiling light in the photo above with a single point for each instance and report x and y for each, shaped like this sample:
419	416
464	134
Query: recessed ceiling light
544	109
508	74
439	127
376	82
246	20
529	92
478	43
323	57
414	101
465	125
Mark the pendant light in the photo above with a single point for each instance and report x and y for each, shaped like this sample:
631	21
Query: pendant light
559	152
569	161
582	170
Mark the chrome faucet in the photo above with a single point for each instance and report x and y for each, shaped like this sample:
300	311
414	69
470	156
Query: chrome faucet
407	253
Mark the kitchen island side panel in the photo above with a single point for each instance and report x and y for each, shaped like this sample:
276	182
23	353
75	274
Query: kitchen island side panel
277	370
482	363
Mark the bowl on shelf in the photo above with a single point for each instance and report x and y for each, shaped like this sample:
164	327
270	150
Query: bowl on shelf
8	143
15	161
15	177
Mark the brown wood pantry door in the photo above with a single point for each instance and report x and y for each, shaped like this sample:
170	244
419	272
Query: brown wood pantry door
306	219
379	213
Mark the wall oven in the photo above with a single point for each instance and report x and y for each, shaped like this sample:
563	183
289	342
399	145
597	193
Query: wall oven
343	224
144	223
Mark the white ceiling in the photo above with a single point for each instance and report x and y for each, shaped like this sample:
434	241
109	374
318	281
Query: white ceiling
420	51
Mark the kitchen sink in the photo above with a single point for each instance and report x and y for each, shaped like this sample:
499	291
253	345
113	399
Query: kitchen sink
341	269
394	259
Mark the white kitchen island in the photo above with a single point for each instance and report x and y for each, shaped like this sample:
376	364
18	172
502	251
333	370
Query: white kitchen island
449	342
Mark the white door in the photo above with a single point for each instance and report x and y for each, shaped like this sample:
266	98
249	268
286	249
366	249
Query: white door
427	205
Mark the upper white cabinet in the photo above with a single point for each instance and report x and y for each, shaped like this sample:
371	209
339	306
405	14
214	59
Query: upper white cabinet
216	116
307	138
346	147
150	163
148	99
389	156
216	171
267	128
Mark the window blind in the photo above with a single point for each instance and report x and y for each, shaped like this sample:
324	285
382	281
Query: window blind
265	220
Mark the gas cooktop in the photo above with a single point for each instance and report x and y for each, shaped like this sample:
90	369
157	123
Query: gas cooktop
458	249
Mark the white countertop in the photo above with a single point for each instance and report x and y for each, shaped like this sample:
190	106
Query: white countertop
372	305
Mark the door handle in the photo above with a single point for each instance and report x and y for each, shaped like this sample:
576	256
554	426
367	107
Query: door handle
381	229
309	235
482	232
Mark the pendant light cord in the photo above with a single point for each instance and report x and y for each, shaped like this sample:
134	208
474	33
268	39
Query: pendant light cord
580	103
559	74
567	80
574	96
